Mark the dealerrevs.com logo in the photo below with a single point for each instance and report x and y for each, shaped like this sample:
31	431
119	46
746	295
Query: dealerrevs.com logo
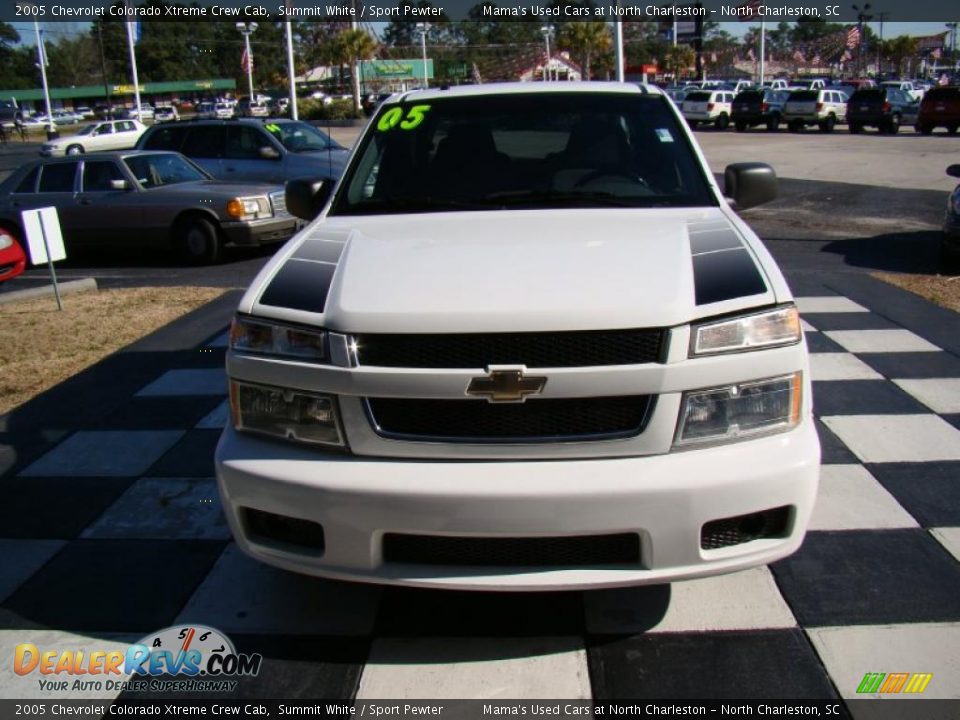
200	658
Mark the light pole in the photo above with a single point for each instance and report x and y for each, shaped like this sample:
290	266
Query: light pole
862	17
42	62
423	28
547	31
247	29
881	17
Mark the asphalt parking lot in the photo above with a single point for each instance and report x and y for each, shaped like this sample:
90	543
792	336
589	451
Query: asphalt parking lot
110	527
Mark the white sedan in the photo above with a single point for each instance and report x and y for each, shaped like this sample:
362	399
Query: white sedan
107	135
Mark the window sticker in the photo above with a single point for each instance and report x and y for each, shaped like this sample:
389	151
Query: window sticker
664	135
394	117
272	127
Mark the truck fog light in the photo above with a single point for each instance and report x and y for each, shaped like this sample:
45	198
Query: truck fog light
740	411
284	413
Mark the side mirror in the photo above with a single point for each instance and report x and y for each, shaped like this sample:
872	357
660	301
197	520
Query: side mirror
750	184
119	185
306	198
954	171
269	153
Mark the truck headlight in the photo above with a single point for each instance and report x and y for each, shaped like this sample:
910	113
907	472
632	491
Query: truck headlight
283	413
251	208
780	326
259	336
740	411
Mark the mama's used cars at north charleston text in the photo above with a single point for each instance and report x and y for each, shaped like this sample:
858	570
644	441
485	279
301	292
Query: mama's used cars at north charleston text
526	344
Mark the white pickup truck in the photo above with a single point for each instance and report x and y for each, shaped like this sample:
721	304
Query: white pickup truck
525	343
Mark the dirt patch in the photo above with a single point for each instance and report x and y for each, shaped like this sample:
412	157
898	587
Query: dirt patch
41	346
944	290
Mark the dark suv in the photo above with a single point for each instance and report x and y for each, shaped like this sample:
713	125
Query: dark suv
759	107
273	151
940	107
881	107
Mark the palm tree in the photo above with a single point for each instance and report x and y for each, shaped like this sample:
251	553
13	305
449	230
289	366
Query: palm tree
354	46
586	40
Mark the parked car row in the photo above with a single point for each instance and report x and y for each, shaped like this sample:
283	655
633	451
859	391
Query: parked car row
886	107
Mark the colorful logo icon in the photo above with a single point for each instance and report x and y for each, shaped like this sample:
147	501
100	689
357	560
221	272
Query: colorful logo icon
901	682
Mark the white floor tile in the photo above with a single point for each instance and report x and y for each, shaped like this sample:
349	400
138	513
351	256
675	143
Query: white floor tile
941	395
850	498
217	418
105	453
739	601
850	652
897	438
164	509
806	327
243	595
840	366
949	537
203	381
21	559
876	341
481	668
829	303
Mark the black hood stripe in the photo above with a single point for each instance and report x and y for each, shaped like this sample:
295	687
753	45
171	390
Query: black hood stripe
725	275
321	250
300	285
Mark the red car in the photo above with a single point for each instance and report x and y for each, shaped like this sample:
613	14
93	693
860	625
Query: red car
940	107
12	260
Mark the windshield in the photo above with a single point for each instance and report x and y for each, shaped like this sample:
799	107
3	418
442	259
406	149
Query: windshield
300	137
523	151
87	129
163	169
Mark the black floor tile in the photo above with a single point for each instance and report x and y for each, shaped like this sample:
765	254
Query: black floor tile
56	508
817	342
105	585
863	397
832	449
913	364
322	668
437	613
930	491
953	419
870	578
192	456
848	321
761	664
159	413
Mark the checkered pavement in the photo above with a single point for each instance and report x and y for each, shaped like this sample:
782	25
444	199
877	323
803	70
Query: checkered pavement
110	528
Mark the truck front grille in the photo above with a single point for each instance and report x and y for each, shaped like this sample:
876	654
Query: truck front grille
539	420
577	551
556	349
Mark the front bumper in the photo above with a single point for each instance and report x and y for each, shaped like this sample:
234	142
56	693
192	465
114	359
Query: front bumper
262	232
664	499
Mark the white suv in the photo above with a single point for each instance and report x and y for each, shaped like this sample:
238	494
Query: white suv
709	106
823	108
526	343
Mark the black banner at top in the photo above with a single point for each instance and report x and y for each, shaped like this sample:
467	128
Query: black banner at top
770	11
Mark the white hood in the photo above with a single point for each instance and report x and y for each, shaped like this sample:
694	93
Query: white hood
495	271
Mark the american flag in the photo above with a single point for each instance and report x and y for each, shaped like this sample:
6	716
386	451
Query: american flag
847	57
246	62
750	55
853	36
748	10
798	56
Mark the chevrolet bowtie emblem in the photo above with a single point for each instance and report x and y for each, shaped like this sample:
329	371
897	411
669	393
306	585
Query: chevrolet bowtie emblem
506	385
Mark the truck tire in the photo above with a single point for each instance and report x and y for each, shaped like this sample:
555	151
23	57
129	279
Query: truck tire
828	124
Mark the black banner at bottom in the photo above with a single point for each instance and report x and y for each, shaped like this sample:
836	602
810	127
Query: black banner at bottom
873	709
